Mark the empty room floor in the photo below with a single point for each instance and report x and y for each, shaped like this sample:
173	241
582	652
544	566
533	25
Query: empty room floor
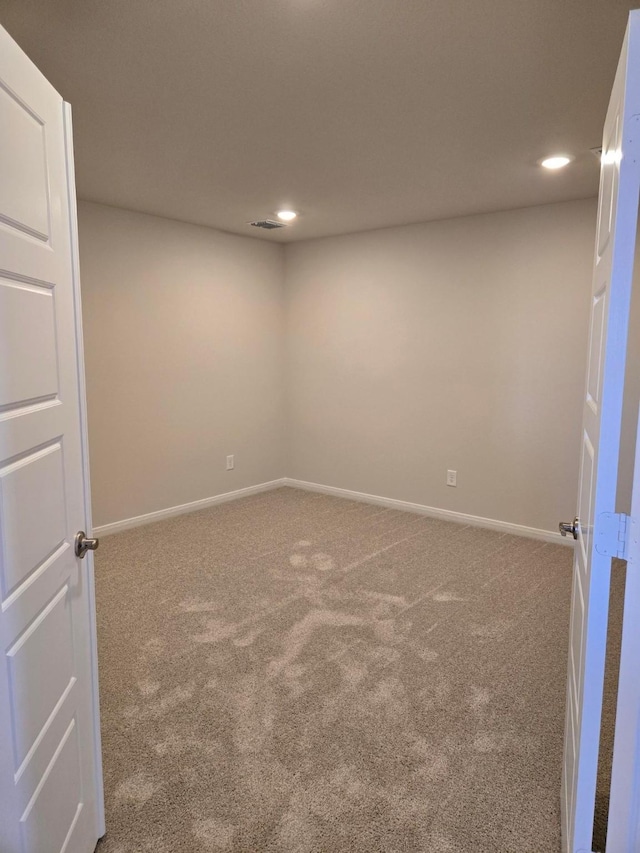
299	672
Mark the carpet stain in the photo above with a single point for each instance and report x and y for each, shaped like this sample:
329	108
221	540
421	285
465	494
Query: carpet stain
215	631
213	834
138	789
480	697
170	702
427	655
322	562
354	672
447	596
195	605
248	639
485	743
296	833
301	633
255	714
148	688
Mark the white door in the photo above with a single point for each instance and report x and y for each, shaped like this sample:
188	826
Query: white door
599	530
50	776
623	833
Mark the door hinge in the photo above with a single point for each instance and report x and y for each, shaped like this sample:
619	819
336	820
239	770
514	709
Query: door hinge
613	534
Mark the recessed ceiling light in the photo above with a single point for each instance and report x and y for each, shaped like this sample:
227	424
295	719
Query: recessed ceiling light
556	162
287	215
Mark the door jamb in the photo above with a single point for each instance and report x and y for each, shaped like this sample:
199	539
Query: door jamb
623	831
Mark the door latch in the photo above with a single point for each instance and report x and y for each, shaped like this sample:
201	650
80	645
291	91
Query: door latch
83	544
572	528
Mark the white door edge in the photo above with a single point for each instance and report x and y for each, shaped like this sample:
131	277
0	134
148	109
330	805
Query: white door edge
84	431
623	833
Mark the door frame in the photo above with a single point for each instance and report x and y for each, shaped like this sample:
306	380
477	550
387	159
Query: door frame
84	440
623	831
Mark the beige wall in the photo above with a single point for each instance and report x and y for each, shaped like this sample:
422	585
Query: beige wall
457	344
183	331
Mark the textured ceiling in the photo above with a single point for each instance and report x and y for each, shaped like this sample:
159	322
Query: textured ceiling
358	113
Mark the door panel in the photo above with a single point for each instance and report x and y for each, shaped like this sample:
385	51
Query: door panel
45	647
602	417
594	380
49	742
52	814
609	179
22	498
24	199
27	329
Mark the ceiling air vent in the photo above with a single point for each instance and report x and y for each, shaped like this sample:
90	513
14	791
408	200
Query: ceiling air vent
268	224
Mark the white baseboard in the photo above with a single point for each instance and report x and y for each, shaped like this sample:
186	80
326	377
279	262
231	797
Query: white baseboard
193	506
445	514
391	503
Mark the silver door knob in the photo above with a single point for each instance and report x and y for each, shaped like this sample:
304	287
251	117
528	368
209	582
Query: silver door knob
572	528
83	544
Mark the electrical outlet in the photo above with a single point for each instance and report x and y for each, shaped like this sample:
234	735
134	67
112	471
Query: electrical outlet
451	478
230	463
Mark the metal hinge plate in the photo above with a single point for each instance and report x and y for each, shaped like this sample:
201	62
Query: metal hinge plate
613	534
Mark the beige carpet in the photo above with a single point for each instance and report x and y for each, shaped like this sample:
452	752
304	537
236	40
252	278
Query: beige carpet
296	672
